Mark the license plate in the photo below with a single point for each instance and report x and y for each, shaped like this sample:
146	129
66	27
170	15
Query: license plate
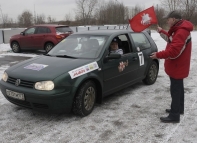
15	95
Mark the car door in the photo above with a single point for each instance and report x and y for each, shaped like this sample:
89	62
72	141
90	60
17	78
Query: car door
119	73
143	47
26	41
40	36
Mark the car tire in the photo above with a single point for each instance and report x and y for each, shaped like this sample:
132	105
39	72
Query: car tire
48	47
15	47
152	73
84	100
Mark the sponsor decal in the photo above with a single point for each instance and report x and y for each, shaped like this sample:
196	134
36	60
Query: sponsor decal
36	67
122	65
91	67
83	70
87	68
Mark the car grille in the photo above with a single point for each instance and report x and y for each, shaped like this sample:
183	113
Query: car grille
23	83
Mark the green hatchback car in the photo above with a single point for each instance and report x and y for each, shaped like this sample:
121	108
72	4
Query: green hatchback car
80	70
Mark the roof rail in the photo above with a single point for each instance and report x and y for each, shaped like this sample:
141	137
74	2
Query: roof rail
101	27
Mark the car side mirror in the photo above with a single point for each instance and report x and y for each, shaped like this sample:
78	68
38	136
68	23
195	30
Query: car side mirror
112	56
22	33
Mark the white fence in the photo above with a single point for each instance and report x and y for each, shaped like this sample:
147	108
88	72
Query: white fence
5	34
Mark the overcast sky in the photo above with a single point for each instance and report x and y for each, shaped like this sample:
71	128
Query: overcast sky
55	8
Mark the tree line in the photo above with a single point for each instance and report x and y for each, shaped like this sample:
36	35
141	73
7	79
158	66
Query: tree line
100	12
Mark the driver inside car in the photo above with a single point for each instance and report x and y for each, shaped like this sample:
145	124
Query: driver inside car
114	47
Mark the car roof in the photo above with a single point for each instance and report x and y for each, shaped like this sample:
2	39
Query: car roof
51	25
104	32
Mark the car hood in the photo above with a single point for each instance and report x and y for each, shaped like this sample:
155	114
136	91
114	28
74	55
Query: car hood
45	67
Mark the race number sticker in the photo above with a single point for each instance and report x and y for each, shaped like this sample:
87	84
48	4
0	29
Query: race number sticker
83	70
36	67
141	58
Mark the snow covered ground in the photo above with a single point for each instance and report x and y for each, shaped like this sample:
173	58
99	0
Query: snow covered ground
129	116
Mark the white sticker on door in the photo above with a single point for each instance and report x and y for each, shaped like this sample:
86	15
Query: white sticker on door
141	58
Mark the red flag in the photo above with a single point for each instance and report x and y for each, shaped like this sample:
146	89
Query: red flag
143	20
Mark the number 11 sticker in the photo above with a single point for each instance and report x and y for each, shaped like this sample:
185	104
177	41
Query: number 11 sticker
141	58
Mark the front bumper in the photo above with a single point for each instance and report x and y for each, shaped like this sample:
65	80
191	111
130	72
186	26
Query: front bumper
48	101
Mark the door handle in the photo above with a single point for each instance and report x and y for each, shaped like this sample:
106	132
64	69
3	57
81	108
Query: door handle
134	58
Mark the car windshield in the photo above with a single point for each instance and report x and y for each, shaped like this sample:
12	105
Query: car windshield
79	46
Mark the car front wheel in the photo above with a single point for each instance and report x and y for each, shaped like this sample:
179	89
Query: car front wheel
85	99
15	47
48	47
152	73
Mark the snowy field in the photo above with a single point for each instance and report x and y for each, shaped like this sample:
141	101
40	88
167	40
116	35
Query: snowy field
129	116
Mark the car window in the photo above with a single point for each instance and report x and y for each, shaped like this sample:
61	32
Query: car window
140	41
63	29
123	43
30	31
80	46
41	30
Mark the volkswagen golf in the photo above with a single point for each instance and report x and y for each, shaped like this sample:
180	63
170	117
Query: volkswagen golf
80	71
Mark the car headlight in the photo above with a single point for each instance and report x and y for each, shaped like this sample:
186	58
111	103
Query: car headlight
44	85
5	76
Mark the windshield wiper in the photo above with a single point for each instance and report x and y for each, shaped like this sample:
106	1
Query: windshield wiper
66	56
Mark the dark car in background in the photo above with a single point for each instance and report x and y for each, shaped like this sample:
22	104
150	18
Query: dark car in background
39	37
80	71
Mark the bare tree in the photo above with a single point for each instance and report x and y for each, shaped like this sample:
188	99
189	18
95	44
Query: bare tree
68	19
85	9
25	19
99	13
171	4
7	22
40	19
112	12
135	10
50	19
188	8
160	13
194	18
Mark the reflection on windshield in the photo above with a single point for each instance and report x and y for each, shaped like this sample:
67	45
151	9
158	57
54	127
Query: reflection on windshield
79	46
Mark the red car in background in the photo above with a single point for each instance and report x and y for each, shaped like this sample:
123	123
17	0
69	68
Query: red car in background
39	37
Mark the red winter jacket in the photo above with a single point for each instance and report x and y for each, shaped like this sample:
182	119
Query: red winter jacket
177	54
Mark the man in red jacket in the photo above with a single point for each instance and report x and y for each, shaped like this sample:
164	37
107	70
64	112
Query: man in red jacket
177	57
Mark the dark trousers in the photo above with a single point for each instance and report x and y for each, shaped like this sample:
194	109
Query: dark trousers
177	94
